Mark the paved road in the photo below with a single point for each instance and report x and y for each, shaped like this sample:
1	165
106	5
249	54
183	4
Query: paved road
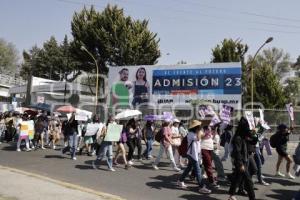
139	182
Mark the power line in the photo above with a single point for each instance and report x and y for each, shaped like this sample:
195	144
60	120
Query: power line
244	12
226	19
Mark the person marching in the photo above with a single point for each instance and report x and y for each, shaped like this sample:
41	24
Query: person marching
194	156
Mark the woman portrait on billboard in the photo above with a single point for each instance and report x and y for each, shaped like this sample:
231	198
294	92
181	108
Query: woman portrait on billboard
141	89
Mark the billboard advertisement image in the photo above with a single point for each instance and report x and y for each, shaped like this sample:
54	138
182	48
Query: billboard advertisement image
218	83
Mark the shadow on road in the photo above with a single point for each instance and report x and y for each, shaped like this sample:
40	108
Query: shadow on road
282	194
55	156
11	147
281	181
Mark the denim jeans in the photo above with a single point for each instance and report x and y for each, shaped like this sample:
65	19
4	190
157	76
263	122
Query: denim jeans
148	149
193	164
266	143
218	165
258	164
170	153
226	151
105	151
73	144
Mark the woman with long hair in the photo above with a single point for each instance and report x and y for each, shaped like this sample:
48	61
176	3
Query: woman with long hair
166	145
105	149
121	148
140	87
240	158
148	135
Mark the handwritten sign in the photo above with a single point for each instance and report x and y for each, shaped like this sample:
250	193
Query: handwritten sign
250	119
113	132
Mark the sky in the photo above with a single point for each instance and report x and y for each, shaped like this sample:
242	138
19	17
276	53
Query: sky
188	29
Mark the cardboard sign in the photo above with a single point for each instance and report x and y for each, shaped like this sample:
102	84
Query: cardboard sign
290	110
113	132
93	128
226	113
27	129
250	119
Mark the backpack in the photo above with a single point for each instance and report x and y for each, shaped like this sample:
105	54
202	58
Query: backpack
274	140
223	140
183	147
159	135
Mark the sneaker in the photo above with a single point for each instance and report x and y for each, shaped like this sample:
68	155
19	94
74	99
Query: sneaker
155	167
54	147
177	169
150	156
43	148
74	158
115	163
140	160
18	150
289	176
112	169
204	190
94	165
204	176
264	183
181	184
222	179
28	149
262	176
130	162
232	198
278	174
215	185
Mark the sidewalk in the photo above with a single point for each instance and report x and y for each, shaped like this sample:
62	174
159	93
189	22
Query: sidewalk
20	185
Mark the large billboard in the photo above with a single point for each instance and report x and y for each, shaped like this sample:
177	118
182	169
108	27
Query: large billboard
218	83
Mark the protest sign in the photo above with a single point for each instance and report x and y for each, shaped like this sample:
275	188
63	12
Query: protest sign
290	110
113	132
27	129
250	119
206	111
93	128
226	113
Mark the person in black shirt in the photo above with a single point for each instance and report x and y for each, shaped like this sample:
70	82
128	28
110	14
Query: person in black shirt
240	160
70	131
281	149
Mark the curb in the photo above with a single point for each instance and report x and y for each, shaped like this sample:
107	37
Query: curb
64	184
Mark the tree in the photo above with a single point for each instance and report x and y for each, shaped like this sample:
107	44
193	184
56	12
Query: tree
233	51
229	51
277	59
267	88
8	57
113	39
53	61
281	64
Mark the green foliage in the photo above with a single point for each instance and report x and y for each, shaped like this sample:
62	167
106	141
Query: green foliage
233	51
113	39
8	57
52	61
267	88
276	58
229	51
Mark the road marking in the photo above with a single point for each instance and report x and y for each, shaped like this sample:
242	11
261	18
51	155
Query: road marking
65	184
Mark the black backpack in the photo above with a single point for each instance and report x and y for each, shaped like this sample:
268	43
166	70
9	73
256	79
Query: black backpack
159	135
274	140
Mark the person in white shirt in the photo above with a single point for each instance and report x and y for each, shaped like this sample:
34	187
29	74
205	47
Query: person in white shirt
207	147
176	137
194	156
216	153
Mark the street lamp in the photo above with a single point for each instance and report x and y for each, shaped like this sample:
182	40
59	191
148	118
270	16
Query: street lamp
97	73
252	75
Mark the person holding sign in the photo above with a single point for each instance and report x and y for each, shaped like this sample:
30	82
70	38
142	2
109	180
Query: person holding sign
71	132
23	132
110	133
